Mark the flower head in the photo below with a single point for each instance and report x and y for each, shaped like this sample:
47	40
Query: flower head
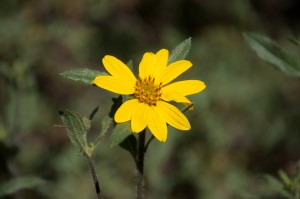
150	92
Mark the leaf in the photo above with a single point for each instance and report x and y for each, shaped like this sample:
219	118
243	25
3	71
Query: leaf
106	122
117	102
180	51
120	132
276	185
272	53
284	178
130	64
16	184
93	113
82	75
294	41
130	145
76	129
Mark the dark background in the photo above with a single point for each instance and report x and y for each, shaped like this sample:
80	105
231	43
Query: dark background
244	125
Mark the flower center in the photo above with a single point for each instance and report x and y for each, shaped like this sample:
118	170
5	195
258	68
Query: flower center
146	91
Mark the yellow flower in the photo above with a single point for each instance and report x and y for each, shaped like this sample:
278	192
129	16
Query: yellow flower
151	92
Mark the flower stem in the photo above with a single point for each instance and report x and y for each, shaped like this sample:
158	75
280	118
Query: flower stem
95	178
140	165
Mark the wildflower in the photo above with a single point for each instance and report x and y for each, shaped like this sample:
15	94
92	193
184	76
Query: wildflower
150	93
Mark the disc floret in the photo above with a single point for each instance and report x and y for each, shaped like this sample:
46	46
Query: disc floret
146	91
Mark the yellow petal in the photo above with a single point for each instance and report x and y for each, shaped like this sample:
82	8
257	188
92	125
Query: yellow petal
118	69
124	113
153	64
187	87
157	124
173	70
146	65
173	116
114	84
161	61
175	96
139	119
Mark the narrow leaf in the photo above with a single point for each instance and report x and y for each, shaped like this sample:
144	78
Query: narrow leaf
130	64
294	41
106	122
272	53
82	75
276	185
130	145
120	132
273	182
180	51
76	129
284	178
19	183
117	102
93	113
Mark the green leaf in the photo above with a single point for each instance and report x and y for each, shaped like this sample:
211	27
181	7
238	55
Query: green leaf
276	185
120	132
272	53
130	64
82	75
106	122
76	129
294	41
284	178
117	102
93	113
130	145
19	183
180	51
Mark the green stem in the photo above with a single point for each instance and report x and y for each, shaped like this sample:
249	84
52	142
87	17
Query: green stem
95	178
140	165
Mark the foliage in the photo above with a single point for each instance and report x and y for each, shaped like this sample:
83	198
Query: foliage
269	51
19	183
246	124
82	75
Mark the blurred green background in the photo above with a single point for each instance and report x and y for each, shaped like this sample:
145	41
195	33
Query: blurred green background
245	124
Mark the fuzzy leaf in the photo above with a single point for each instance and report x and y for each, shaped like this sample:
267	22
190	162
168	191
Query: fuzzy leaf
76	129
82	75
272	53
19	183
130	145
180	51
120	132
106	122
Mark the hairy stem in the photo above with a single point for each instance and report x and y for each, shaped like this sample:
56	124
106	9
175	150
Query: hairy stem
95	178
140	165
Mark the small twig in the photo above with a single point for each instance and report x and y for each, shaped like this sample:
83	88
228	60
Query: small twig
140	165
95	178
